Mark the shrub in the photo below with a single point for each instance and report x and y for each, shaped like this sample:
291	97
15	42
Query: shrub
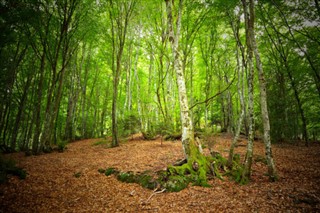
130	125
62	146
149	135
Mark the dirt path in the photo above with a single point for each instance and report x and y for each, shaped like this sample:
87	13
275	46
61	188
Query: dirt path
51	185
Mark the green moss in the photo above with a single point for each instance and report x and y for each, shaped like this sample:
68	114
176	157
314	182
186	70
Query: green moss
110	171
176	178
146	181
176	183
172	136
127	177
236	172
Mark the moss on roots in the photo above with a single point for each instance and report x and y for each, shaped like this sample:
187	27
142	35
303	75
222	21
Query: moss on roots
195	171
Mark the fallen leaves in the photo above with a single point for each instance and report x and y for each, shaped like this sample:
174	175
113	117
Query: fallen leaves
51	185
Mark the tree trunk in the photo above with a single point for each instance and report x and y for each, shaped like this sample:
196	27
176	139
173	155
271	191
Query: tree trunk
20	113
249	29
240	87
263	101
119	14
186	122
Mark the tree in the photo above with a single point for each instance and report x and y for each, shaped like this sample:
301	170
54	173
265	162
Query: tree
249	24
196	160
120	13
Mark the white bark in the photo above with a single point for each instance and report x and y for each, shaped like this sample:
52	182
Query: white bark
249	30
186	122
240	86
263	104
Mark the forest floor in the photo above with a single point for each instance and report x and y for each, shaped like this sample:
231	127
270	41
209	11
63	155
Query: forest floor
52	186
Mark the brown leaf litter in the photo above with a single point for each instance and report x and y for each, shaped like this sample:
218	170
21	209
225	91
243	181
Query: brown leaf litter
52	185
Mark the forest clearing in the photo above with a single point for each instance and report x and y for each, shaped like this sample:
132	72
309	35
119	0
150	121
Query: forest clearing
51	184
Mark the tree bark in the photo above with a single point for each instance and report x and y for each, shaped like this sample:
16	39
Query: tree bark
119	25
240	86
263	96
249	29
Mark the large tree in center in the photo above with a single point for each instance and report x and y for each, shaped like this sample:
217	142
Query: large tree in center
196	161
186	122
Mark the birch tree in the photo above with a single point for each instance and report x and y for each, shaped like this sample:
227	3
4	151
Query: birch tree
263	100
249	20
196	161
253	50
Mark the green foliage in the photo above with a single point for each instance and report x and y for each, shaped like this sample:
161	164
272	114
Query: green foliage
149	135
130	124
163	128
236	172
62	145
8	167
172	137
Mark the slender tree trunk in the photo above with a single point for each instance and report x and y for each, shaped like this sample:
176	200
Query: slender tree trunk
303	118
186	122
120	21
263	101
128	100
240	85
21	108
36	135
249	29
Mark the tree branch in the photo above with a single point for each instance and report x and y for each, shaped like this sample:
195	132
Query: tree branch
212	97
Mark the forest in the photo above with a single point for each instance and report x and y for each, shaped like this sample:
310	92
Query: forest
204	98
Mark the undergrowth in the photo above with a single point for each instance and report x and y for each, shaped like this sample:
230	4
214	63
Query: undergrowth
8	167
